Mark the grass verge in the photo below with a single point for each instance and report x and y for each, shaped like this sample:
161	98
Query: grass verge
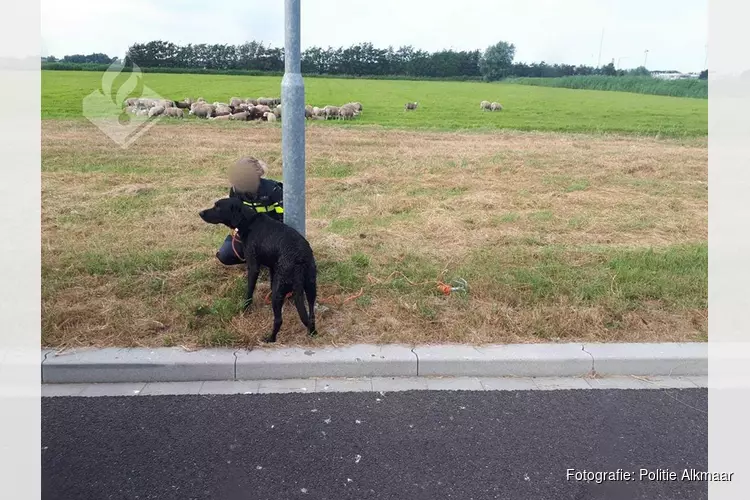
560	237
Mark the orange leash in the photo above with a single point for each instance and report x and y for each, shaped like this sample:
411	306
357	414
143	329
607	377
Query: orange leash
234	249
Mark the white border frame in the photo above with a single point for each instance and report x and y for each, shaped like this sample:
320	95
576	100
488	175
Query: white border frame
20	253
729	247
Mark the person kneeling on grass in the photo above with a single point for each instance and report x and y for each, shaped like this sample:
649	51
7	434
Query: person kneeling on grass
264	195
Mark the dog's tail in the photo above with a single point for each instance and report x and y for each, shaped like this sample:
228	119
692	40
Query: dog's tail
306	286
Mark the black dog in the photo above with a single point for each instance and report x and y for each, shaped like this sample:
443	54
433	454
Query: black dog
281	248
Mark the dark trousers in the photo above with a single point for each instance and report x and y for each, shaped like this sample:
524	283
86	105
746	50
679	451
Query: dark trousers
227	256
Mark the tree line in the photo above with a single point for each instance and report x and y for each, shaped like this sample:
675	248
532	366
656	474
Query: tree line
362	59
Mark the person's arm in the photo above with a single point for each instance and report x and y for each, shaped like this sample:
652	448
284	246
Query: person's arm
277	194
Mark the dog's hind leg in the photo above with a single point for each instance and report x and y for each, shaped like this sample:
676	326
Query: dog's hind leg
278	294
277	303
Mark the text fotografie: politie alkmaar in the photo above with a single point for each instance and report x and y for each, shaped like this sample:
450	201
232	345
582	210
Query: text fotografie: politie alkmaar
647	475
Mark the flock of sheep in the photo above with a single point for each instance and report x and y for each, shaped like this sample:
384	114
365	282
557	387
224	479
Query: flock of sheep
346	112
264	108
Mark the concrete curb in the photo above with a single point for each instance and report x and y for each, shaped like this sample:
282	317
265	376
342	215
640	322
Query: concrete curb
114	365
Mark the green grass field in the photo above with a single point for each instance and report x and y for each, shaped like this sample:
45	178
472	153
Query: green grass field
442	105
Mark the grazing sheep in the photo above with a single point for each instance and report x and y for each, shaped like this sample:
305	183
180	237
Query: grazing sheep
277	111
242	116
347	112
197	104
357	106
484	105
271	117
264	101
202	111
410	105
218	104
166	103
185	103
263	108
254	113
133	101
331	111
235	102
156	111
496	106
308	111
253	102
222	110
221	117
143	103
318	112
174	113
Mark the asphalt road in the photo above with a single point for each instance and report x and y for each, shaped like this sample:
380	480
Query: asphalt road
405	445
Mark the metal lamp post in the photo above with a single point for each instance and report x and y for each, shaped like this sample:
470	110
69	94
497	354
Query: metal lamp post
293	121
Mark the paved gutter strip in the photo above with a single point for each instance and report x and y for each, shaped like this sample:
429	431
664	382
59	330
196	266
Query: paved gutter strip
119	365
650	359
113	365
379	386
513	360
349	361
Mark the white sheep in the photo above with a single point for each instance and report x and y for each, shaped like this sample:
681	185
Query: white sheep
347	112
202	111
357	106
270	116
156	111
484	105
496	106
222	110
331	111
410	105
174	113
241	116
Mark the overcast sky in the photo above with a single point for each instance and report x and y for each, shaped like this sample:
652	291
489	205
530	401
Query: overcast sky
675	32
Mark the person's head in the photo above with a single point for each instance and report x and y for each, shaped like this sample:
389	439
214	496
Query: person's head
245	174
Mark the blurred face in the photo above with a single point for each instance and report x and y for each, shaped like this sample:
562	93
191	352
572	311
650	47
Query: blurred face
245	175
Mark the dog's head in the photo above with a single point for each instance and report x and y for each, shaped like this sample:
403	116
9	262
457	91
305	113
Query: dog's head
228	211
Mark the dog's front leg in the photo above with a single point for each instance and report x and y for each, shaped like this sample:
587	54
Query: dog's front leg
252	278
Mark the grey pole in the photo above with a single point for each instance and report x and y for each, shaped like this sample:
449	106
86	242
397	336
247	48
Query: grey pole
293	121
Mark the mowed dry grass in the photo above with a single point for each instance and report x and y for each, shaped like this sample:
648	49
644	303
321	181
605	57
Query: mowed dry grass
560	237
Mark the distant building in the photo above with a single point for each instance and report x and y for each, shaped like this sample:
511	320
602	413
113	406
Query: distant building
674	75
